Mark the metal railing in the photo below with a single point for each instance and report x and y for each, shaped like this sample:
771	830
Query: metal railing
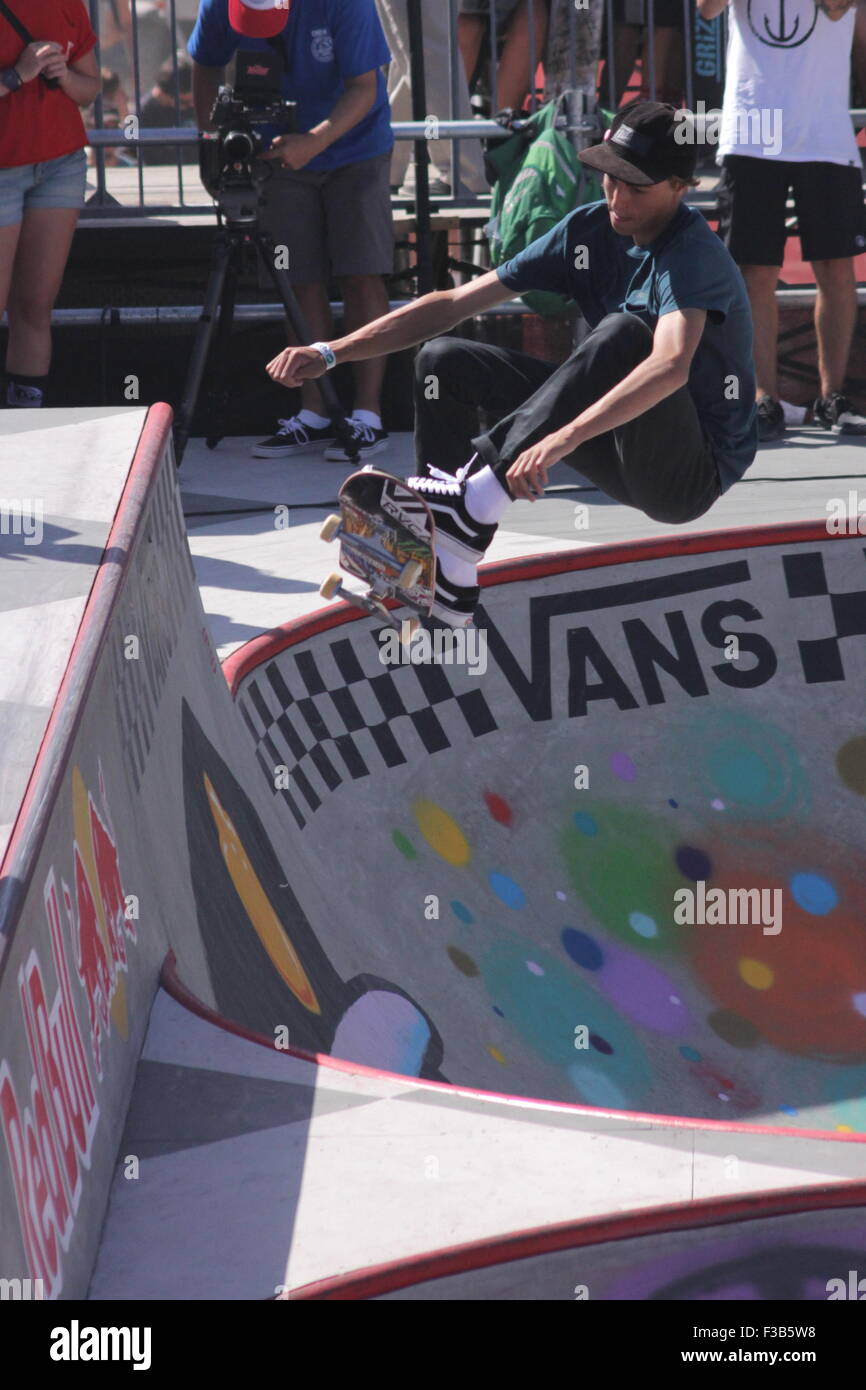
155	31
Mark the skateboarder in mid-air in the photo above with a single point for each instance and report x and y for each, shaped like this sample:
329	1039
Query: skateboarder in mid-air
656	407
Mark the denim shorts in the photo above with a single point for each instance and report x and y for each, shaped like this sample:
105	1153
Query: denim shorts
58	183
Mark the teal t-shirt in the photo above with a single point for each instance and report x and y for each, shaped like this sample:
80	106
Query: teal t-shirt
686	267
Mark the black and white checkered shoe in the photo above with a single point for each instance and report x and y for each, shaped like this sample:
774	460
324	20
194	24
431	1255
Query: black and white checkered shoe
456	529
453	604
293	437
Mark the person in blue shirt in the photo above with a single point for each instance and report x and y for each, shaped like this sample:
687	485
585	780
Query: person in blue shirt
328	198
656	406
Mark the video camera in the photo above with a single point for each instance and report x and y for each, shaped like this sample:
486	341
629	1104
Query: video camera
227	155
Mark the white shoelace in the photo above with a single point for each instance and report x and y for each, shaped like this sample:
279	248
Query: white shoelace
296	427
448	484
363	430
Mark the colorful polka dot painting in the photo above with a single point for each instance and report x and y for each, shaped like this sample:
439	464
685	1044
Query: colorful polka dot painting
560	932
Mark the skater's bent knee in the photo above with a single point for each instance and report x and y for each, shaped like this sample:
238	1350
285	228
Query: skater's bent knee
624	336
625	325
440	354
673	514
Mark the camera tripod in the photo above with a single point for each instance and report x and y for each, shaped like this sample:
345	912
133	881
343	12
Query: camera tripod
238	227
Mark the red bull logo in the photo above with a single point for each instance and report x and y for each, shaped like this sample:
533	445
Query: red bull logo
50	1119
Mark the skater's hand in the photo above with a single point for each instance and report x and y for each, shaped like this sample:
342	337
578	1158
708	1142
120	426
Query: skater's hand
527	476
295	365
293	151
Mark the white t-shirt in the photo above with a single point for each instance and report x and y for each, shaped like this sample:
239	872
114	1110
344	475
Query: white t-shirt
788	83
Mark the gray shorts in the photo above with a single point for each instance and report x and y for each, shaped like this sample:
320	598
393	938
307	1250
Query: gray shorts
334	223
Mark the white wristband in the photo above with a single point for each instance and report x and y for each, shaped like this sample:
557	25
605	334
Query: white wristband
327	352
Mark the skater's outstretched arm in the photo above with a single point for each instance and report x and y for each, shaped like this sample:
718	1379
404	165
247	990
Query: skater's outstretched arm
424	318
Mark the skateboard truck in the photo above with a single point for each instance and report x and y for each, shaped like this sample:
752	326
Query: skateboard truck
372	600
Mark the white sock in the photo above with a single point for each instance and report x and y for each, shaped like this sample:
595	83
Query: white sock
368	417
458	571
486	498
315	422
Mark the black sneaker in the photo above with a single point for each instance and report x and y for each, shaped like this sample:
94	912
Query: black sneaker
293	437
20	397
453	603
445	495
368	439
771	420
835	412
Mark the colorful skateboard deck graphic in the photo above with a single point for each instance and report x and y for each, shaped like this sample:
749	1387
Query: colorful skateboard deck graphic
386	535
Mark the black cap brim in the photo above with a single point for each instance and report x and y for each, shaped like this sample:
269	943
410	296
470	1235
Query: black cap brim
604	158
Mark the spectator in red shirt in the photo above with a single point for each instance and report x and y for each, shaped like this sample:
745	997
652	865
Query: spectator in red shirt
42	175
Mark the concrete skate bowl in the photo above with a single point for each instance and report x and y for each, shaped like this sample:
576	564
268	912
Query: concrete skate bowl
457	877
795	1247
487	865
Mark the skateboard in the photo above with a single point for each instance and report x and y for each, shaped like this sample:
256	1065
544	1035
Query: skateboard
387	538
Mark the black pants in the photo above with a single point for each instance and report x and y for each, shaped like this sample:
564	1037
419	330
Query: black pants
661	462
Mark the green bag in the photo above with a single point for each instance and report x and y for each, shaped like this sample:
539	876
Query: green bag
536	177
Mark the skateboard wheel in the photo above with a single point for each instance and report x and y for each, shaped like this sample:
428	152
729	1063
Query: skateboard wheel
331	585
408	628
410	574
330	527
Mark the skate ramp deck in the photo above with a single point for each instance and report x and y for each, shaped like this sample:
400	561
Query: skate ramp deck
460	877
52	541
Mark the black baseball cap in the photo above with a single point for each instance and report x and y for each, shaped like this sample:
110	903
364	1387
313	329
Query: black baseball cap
641	145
